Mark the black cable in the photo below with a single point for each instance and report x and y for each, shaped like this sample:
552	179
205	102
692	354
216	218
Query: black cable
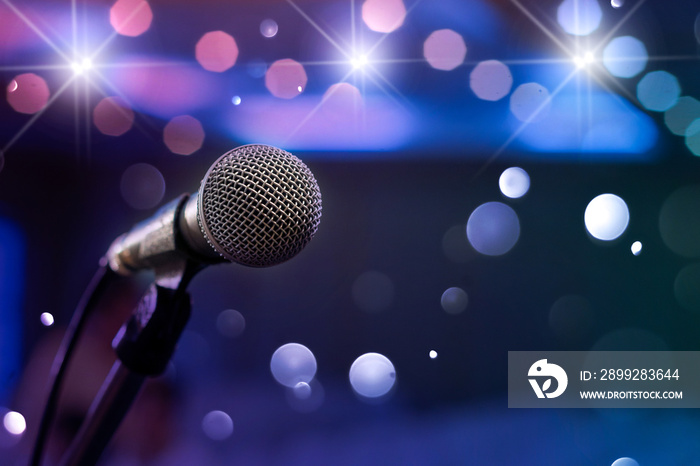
103	276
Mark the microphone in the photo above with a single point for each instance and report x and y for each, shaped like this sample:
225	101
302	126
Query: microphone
257	206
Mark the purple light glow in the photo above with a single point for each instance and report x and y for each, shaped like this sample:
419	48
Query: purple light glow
302	124
165	90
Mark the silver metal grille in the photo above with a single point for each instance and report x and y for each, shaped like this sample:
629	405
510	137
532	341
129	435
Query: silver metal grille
259	205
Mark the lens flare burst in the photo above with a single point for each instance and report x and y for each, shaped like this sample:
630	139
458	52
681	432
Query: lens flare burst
79	61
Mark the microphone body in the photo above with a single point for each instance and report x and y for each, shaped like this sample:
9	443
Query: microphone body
164	239
257	206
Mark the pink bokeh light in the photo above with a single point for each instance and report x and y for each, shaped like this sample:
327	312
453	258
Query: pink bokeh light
183	135
383	15
286	78
131	17
444	49
342	101
216	51
491	80
28	93
113	116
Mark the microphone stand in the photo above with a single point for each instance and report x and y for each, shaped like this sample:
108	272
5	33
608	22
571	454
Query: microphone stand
144	346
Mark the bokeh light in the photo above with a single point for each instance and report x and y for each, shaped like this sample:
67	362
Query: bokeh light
302	390
625	57
28	93
692	137
636	248
686	287
606	217
217	425
131	17
444	49
493	228
269	28
617	3
230	323
625	461
529	102
514	182
491	80
236	100
183	135
658	91
579	17
216	51
342	102
571	318
679	221
113	116
142	186
14	423
433	354
373	291
293	363
46	319
305	397
285	78
454	300
383	15
679	117
372	375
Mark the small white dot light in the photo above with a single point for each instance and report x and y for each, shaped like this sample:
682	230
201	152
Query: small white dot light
269	28
302	390
493	229
47	319
372	375
636	248
15	423
514	182
433	354
217	425
626	461
454	300
606	217
293	363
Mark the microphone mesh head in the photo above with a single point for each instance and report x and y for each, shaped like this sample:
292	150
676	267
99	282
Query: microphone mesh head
259	205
